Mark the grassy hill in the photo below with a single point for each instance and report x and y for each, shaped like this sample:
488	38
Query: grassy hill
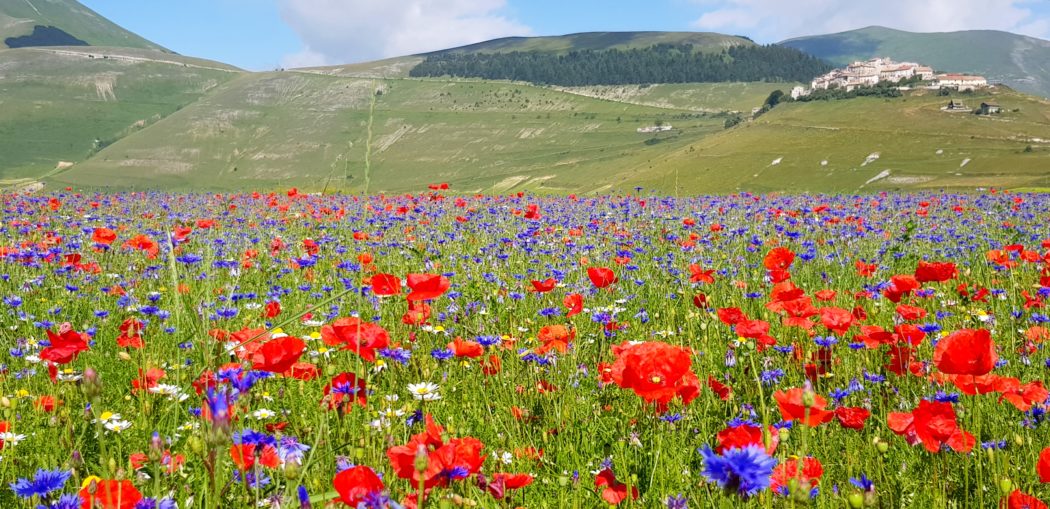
1021	62
20	19
276	129
62	104
868	144
602	41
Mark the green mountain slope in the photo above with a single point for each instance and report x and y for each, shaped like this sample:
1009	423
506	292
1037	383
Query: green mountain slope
62	104
602	41
20	19
277	129
1021	62
905	143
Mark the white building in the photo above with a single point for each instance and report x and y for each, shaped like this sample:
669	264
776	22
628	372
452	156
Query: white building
961	81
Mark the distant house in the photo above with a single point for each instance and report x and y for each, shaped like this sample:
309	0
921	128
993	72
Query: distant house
955	106
990	109
961	81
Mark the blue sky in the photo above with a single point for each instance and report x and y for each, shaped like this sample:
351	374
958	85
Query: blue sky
264	34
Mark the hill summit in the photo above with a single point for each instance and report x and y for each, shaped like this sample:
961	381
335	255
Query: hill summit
32	23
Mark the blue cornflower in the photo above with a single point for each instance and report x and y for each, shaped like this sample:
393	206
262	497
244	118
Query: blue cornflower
67	501
677	502
745	471
772	376
396	354
826	342
863	482
304	498
550	312
43	483
945	397
441	354
671	418
455	473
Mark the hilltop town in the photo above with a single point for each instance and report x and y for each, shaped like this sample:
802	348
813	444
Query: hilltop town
877	70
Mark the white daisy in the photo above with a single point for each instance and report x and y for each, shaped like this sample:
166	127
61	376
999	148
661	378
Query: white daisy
425	391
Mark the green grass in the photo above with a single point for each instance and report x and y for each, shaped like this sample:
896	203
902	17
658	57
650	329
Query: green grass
711	97
18	17
918	144
1016	60
53	106
309	130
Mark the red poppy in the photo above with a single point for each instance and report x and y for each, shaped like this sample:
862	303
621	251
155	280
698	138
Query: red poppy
752	329
245	456
544	286
418	313
865	269
1043	466
147	380
103	236
1021	500
656	371
1024	396
278	355
910	313
966	352
574	303
501	482
699	275
344	391
792	407
778	258
837	320
427	286
808	474
555	337
109	494
357	336
933	423
273	309
901	285
385	284
928	272
613	491
731	316
355	484
130	334
463	348
744	435
143	243
601	277
852	417
64	347
461	456
720	389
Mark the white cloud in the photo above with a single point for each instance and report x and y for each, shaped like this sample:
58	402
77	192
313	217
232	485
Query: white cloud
346	31
774	20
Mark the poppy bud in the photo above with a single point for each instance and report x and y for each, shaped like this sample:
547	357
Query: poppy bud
112	464
196	445
291	471
783	434
91	384
856	500
75	459
1005	486
4	402
156	447
124	356
808	398
421	459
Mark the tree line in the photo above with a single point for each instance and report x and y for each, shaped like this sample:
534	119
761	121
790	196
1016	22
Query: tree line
662	63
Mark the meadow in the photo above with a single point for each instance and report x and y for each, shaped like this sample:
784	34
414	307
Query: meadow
435	349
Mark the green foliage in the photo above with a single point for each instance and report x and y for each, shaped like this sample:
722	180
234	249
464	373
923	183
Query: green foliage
662	63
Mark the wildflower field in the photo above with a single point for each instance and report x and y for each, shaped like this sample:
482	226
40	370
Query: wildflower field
432	350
